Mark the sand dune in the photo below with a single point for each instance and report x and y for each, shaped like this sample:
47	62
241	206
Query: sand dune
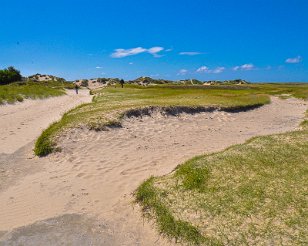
91	181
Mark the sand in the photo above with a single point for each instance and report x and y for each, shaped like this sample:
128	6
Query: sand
90	183
25	121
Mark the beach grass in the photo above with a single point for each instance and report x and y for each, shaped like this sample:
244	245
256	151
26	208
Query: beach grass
19	91
111	104
249	194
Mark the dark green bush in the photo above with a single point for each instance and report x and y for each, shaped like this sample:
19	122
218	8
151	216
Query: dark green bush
9	75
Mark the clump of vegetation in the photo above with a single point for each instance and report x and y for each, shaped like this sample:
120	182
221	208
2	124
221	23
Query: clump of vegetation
18	91
44	77
148	81
9	75
149	197
84	83
254	193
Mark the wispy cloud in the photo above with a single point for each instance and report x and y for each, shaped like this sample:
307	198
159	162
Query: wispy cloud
244	67
218	70
205	69
130	63
155	50
297	59
182	72
120	53
202	69
189	53
98	67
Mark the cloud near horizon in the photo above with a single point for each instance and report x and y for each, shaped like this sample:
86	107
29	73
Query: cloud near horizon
293	60
120	53
205	69
244	67
190	53
182	72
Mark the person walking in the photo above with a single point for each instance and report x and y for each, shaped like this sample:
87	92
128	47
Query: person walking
76	88
122	83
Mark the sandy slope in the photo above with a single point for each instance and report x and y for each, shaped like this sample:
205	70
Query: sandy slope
25	121
91	181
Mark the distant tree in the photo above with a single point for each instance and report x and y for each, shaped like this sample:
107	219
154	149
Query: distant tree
9	75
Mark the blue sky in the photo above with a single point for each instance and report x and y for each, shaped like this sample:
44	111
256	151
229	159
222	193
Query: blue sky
256	40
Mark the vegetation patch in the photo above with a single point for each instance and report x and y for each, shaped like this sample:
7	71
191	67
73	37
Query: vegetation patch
254	193
150	198
111	104
18	91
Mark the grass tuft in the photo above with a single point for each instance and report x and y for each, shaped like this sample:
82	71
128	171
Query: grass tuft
44	144
192	176
148	196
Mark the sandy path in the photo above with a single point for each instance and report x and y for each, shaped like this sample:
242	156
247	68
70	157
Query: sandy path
97	171
23	122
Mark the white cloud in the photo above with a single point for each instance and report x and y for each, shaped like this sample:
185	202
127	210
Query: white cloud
120	53
168	50
130	63
190	53
297	59
155	50
202	69
205	69
98	67
218	70
183	72
244	67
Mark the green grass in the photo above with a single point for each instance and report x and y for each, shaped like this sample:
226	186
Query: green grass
297	90
179	230
254	193
19	91
111	104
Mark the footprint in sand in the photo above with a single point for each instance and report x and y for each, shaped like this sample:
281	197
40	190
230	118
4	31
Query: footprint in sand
79	175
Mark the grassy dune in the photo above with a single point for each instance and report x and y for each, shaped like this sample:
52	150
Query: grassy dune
110	104
249	194
21	90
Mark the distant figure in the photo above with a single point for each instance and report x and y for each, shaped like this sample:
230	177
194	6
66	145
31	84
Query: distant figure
122	83
76	88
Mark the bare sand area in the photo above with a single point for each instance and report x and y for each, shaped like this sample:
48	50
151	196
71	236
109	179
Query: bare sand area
21	123
83	194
